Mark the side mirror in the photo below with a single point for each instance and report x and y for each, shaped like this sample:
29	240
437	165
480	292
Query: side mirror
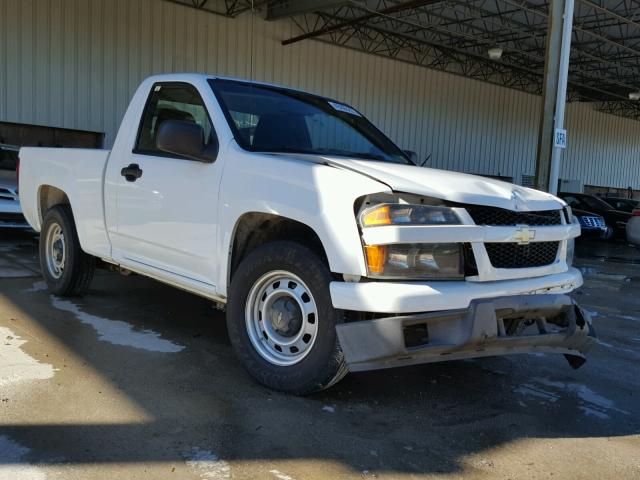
185	139
413	156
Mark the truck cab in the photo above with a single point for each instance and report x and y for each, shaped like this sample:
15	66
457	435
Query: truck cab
328	247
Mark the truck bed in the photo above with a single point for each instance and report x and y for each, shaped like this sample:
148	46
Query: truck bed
46	172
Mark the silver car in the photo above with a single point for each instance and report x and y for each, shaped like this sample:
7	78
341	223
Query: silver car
10	211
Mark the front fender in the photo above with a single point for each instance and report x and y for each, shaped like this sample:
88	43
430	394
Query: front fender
319	196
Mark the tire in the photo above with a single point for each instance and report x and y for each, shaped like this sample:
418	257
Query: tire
289	274
66	269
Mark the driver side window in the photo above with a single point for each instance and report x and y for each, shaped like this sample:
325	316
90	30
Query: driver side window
171	101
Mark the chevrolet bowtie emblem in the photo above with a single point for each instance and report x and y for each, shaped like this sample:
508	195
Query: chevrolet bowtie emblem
524	235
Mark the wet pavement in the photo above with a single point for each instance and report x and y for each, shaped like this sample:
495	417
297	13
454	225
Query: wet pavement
138	380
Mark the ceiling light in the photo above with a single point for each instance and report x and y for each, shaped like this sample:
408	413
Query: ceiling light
634	96
495	53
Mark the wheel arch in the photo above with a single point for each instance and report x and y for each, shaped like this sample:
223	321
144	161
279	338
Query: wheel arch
48	197
254	229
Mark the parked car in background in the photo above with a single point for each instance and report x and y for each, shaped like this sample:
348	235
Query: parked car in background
592	225
616	219
622	204
10	211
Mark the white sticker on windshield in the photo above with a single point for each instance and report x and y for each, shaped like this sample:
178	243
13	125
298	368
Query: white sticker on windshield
344	108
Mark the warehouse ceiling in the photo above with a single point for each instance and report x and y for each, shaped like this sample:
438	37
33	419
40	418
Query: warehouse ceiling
455	36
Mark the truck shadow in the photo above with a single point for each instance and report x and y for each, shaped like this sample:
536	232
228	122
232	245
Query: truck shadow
422	419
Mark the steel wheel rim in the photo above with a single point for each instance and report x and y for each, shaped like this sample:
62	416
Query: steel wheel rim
276	295
55	250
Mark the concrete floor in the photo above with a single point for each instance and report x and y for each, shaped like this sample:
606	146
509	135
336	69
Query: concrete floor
138	380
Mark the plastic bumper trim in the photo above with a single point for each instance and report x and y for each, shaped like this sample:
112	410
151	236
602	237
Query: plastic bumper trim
470	333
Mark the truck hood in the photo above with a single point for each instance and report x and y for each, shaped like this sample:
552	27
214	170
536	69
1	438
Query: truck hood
451	186
442	184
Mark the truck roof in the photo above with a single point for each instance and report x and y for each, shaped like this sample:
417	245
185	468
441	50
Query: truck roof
190	77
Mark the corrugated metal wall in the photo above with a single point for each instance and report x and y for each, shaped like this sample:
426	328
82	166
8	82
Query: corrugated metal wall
76	63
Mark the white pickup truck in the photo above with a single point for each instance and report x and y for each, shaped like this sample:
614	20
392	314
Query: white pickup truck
328	247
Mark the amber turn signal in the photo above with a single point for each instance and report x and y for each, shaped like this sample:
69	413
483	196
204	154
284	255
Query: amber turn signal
376	258
377	216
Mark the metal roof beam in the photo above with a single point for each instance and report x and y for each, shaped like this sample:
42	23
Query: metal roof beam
420	27
469	61
226	8
613	14
454	35
385	11
621	109
596	55
577	28
279	10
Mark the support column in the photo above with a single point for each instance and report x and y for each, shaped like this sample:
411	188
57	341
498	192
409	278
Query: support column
554	94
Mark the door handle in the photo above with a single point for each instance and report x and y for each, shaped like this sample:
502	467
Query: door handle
132	172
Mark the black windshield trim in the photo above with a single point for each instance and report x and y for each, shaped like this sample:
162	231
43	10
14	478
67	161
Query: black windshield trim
322	104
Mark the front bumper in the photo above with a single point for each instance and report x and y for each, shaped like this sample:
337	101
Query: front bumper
409	297
486	328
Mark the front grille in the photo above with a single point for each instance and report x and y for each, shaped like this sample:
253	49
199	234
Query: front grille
513	255
592	222
470	266
499	216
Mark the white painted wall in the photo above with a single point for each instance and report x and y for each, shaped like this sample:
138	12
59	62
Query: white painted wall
76	63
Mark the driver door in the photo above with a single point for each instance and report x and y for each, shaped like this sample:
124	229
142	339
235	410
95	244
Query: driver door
166	205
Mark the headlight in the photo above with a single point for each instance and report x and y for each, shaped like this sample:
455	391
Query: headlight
412	261
403	214
442	261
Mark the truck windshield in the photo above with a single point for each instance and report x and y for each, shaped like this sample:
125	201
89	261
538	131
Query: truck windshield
272	119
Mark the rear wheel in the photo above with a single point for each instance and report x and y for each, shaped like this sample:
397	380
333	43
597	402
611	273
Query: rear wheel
281	321
67	270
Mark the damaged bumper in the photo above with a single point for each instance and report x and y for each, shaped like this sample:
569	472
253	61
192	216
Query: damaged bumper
488	327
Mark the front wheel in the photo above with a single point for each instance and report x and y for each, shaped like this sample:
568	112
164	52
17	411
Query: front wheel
281	321
67	270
